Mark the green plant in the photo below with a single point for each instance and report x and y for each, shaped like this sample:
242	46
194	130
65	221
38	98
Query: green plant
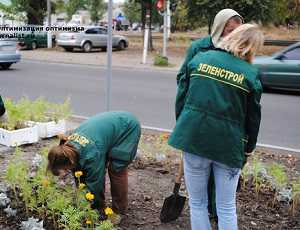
295	196
105	225
159	60
15	171
71	218
277	172
256	169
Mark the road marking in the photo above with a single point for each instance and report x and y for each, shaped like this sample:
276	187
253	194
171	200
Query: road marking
169	131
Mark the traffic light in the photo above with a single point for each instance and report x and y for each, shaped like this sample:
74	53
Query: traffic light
160	4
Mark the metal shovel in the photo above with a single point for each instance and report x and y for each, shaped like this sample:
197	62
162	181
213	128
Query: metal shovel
174	204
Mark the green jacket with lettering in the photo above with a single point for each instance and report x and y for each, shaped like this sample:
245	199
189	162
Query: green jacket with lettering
221	114
110	136
200	45
2	108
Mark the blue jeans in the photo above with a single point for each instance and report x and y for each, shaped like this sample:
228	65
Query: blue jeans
196	173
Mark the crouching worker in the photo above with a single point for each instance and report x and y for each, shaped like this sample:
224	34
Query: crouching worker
107	140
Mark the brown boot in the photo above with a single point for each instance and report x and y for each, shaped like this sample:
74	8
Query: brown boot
119	190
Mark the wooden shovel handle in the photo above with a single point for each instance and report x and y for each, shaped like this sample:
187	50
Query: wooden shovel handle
180	172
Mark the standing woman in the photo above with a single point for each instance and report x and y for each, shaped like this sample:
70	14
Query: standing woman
106	140
219	123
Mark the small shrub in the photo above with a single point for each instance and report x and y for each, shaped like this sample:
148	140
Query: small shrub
160	60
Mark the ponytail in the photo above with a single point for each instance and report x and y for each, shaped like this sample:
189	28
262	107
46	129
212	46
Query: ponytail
63	156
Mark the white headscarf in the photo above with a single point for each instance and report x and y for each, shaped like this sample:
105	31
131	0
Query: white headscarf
219	24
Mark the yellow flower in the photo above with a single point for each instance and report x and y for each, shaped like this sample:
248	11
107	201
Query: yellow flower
78	174
45	183
165	136
89	196
88	222
81	186
108	211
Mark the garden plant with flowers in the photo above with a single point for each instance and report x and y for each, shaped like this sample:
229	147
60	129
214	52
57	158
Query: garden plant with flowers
64	207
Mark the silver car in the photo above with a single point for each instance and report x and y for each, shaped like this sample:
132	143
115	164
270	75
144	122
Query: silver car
9	53
91	37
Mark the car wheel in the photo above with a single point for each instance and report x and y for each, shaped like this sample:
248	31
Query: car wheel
6	66
68	49
33	45
87	47
121	45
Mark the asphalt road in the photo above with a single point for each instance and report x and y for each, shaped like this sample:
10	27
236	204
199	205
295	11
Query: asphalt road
147	93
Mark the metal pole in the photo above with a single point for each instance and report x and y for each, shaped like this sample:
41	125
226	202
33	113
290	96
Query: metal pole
146	36
49	36
165	30
109	56
169	20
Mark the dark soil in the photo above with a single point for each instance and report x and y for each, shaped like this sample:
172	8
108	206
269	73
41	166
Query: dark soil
150	181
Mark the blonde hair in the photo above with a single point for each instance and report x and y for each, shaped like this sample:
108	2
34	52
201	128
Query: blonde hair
244	41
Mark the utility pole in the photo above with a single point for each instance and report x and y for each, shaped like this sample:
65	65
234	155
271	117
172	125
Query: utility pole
146	35
49	36
165	37
169	19
109	56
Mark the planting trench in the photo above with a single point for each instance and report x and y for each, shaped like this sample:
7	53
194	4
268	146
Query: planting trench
151	179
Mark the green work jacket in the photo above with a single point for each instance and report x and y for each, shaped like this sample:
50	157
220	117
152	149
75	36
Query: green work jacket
110	136
221	114
200	45
2	108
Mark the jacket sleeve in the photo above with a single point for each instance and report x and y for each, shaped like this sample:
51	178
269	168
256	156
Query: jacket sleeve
253	116
95	178
183	81
2	108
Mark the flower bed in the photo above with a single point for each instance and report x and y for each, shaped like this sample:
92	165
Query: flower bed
151	179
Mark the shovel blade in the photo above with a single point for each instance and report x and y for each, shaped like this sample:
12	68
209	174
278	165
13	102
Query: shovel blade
172	208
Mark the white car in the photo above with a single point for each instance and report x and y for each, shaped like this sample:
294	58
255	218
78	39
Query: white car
91	37
9	52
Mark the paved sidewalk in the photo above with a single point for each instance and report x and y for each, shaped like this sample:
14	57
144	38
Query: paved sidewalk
129	58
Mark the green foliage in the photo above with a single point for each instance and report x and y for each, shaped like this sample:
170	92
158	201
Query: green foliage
105	225
72	6
256	169
132	11
295	196
39	110
160	60
35	10
277	172
97	8
71	218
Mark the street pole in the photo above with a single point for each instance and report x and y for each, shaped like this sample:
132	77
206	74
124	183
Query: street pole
49	36
109	57
146	36
165	30
169	20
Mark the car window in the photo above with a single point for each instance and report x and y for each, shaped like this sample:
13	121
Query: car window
103	31
91	31
293	54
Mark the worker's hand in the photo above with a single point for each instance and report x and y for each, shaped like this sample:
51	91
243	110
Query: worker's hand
3	118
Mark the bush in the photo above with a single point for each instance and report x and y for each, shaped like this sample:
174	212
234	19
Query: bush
160	60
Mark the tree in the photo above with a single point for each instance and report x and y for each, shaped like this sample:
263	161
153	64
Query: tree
96	9
72	6
35	10
251	10
132	11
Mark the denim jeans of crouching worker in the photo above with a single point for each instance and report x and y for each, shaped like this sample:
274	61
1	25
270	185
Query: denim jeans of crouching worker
196	173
